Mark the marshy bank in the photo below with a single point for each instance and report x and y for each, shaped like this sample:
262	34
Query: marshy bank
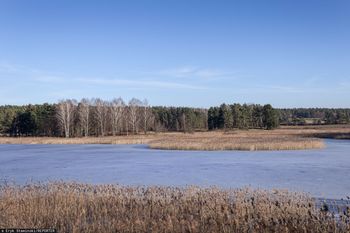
73	207
284	138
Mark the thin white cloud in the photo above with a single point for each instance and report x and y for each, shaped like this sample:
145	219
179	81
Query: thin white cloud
138	83
280	88
7	68
194	72
344	85
41	76
64	93
10	68
287	89
49	79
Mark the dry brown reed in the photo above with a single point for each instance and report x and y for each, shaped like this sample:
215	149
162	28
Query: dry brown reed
131	139
242	140
72	207
284	138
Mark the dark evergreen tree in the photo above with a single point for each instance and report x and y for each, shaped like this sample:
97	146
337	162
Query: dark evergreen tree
227	118
237	116
27	123
270	117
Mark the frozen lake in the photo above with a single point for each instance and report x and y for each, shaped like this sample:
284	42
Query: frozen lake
322	173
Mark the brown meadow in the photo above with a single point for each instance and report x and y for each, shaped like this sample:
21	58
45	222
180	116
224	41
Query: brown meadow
284	138
72	207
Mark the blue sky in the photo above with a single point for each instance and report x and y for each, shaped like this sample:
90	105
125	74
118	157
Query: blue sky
293	53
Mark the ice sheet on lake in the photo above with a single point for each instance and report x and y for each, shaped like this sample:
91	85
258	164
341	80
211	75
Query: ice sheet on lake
322	173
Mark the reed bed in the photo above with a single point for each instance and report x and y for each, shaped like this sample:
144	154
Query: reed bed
236	141
284	138
130	139
72	207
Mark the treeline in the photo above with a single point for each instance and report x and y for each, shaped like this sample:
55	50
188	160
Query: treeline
244	116
315	116
34	120
97	117
180	119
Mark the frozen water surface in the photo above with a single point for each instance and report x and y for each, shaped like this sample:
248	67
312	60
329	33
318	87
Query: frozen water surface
322	173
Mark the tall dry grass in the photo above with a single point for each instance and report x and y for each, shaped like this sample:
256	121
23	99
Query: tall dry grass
242	140
71	207
130	139
284	138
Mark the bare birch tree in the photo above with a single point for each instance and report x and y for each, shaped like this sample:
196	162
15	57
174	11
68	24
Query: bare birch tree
101	114
125	119
65	115
84	115
116	111
146	115
133	117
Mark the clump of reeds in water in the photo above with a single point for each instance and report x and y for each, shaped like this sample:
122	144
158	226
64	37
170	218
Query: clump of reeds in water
72	207
255	140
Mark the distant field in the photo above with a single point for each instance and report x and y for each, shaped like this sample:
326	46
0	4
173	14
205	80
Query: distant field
72	207
284	138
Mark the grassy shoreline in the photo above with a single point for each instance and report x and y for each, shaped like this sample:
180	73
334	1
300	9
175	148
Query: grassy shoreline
284	138
74	207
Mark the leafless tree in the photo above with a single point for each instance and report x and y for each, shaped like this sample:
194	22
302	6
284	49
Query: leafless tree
133	116
146	115
65	115
116	110
101	115
84	115
125	120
